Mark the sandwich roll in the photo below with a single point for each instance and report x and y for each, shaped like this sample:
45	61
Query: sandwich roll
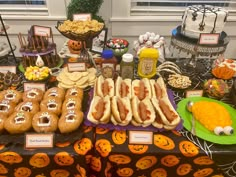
141	88
143	111
121	110
166	111
105	87
123	87
158	88
100	110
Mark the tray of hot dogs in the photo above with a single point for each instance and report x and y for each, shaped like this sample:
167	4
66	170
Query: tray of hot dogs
125	104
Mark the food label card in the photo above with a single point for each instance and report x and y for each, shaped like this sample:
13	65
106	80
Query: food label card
140	137
81	17
4	69
206	38
42	31
72	67
194	93
36	140
30	85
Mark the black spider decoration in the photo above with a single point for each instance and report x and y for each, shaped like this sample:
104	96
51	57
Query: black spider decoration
201	26
194	14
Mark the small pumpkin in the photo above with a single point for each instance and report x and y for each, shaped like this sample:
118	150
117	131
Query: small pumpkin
96	164
223	72
159	172
10	157
83	146
188	149
169	160
87	129
203	172
39	160
125	172
74	46
22	172
203	160
138	148
164	142
3	169
101	131
81	170
59	173
146	162
63	159
103	146
119	159
184	169
107	169
62	144
119	136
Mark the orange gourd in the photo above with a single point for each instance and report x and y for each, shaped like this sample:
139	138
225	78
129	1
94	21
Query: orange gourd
223	72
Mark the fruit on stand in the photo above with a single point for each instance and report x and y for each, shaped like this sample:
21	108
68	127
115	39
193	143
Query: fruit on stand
35	73
119	46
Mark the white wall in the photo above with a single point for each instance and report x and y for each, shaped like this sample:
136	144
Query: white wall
119	23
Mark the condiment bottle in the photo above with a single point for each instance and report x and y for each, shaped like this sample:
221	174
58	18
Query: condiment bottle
108	63
148	58
127	66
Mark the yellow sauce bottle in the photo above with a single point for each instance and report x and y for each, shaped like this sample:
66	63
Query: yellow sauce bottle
148	58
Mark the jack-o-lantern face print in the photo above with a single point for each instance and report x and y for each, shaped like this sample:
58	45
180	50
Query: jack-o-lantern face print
101	131
125	172
138	148
159	172
103	146
119	137
188	149
62	144
63	159
146	162
163	142
39	160
169	160
203	172
119	159
59	173
96	164
203	160
3	169
107	169
10	157
83	146
183	169
22	172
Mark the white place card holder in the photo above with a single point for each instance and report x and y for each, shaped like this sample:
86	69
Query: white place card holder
210	39
78	66
37	140
140	137
31	85
81	17
42	31
5	69
194	93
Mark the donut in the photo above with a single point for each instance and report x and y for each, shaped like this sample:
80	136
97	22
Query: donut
70	120
28	106
2	119
55	92
51	104
6	107
75	91
44	122
12	95
33	95
18	122
71	103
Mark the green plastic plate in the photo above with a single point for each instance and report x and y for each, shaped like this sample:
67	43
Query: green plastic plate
201	131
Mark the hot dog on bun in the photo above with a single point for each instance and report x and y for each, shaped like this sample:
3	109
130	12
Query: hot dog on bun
123	87
104	87
141	88
158	88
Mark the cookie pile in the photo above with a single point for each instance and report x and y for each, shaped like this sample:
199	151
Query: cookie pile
81	80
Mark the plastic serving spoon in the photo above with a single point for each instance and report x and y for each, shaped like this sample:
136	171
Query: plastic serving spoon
189	108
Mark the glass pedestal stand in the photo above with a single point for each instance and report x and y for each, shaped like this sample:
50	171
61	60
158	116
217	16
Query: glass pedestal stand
196	50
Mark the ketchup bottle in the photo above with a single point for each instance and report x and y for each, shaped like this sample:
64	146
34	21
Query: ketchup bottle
108	63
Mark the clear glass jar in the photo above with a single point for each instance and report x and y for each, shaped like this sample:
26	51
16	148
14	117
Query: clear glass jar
127	66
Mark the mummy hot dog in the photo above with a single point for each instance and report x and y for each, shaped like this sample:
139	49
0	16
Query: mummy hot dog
100	110
123	87
143	112
121	111
141	88
104	87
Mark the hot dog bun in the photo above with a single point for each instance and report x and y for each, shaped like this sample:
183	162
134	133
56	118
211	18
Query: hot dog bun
170	118
105	87
121	114
143	112
141	88
158	88
100	105
123	87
